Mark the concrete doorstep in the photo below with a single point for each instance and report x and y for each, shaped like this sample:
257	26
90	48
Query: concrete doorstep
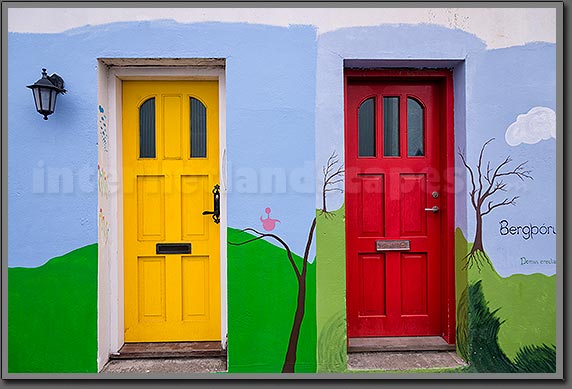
408	360
166	365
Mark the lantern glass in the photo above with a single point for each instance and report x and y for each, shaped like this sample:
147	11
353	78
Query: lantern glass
45	99
37	99
54	95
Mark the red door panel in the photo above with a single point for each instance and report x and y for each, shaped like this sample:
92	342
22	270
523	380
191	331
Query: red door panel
371	188
392	182
372	274
413	216
414	299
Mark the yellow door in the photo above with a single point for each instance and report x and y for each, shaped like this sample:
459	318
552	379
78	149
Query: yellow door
170	167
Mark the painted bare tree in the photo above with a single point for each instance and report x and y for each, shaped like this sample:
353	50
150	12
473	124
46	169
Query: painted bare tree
332	176
484	185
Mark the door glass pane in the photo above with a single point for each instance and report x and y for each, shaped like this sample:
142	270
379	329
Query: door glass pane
414	128
147	129
198	129
366	128
391	126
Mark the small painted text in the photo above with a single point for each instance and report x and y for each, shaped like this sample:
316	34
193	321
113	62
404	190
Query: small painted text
526	231
526	261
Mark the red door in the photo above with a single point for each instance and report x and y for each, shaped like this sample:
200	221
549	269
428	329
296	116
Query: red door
393	207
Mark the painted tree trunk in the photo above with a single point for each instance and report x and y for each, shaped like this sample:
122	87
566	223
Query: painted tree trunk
478	241
477	255
290	360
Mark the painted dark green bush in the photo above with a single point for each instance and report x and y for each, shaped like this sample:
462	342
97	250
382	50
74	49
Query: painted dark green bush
536	359
485	353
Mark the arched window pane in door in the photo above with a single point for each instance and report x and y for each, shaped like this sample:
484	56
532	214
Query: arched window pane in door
366	128
391	126
415	131
198	129
147	129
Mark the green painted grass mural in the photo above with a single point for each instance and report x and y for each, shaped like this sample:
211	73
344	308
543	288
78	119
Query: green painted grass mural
510	323
461	296
503	323
262	290
52	315
331	292
486	355
526	306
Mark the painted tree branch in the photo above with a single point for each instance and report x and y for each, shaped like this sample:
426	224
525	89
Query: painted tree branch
262	235
473	187
332	176
484	185
504	202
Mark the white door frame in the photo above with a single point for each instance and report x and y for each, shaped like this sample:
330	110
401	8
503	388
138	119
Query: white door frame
111	73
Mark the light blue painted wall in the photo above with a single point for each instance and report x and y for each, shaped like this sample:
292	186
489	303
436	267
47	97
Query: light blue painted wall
492	87
270	123
505	83
270	98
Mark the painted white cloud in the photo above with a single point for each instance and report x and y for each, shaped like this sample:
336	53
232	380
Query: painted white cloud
537	124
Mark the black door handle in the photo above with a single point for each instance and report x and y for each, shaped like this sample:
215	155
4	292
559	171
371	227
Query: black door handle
216	211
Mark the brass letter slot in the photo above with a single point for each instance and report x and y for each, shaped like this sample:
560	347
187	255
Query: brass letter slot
173	248
392	245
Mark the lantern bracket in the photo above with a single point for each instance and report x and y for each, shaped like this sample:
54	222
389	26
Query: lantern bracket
58	82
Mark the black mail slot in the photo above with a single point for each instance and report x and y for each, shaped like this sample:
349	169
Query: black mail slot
173	248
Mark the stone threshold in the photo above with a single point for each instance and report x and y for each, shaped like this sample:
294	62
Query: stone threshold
170	350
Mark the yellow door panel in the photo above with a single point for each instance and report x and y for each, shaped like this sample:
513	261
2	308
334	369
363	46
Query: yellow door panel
172	122
195	198
150	208
151	289
170	297
195	299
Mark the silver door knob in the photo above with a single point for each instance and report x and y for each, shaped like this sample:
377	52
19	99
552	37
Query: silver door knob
434	209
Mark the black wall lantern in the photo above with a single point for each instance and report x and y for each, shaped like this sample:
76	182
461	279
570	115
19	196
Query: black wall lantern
45	91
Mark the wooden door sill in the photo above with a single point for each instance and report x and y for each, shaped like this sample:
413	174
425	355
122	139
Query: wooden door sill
170	350
398	343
